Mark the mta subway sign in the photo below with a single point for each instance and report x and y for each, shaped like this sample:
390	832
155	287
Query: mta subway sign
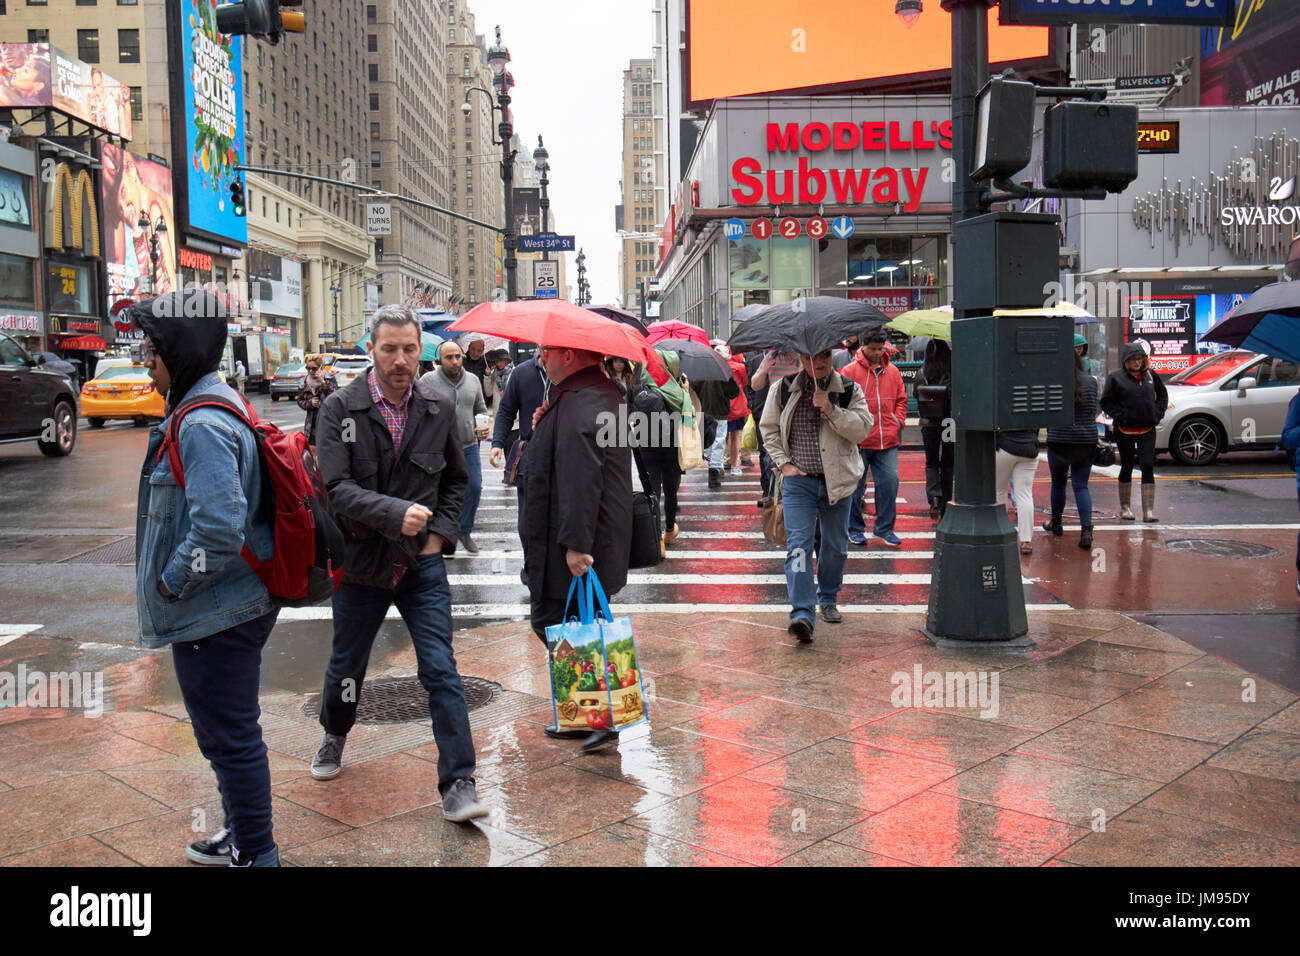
1202	13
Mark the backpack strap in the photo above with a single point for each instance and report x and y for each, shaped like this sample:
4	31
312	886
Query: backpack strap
171	441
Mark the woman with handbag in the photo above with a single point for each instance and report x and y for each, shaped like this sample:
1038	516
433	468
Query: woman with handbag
1071	450
1016	461
1136	400
315	388
933	389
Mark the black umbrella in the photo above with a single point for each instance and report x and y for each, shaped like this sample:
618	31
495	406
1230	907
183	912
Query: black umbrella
619	315
1268	322
806	326
697	362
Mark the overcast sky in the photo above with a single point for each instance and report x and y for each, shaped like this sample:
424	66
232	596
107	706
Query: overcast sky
568	61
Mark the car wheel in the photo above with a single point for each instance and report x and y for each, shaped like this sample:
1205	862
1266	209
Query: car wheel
96	422
65	432
1196	442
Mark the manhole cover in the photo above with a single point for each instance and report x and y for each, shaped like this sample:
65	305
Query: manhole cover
396	700
1222	548
121	551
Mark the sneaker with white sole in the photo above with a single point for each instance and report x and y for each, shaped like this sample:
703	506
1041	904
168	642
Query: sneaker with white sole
215	850
460	803
329	758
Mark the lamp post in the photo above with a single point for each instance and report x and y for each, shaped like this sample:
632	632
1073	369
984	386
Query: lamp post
583	298
542	160
155	253
498	56
336	289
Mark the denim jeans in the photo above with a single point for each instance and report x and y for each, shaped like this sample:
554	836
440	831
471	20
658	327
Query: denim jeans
882	464
764	467
717	451
218	677
423	598
474	491
805	502
1076	461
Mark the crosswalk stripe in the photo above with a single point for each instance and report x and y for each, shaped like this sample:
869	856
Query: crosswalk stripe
634	578
858	554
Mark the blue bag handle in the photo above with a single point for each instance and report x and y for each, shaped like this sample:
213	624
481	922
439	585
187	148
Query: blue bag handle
593	585
584	603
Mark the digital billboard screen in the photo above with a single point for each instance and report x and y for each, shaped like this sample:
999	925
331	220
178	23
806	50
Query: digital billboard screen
1172	325
37	74
767	46
130	186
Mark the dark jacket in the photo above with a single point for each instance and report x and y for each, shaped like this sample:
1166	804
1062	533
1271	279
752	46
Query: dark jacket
1021	442
1134	402
523	395
715	397
370	489
329	386
1084	429
936	370
579	489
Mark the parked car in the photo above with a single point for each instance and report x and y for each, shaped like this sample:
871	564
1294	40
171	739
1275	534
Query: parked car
286	380
347	367
1233	401
122	392
36	403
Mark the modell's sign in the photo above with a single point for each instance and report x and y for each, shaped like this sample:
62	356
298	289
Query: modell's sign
70	208
816	178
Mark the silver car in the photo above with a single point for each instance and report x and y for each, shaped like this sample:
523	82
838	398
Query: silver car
287	380
1233	401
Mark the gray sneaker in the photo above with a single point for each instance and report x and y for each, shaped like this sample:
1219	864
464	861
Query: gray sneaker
460	803
329	758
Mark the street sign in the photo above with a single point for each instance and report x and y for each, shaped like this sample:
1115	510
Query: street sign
842	227
546	278
817	227
1201	13
761	228
379	219
789	228
323	336
546	242
734	228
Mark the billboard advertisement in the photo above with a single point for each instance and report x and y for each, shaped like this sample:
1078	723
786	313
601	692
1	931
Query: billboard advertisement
1253	62
130	186
1171	325
276	283
37	74
210	122
777	45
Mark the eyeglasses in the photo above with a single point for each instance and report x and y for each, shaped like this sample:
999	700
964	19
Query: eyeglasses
147	354
313	368
822	356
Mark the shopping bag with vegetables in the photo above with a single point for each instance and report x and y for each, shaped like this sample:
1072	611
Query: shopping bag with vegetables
595	674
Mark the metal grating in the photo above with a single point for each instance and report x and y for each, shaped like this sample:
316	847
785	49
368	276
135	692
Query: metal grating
121	551
1222	548
397	700
1037	399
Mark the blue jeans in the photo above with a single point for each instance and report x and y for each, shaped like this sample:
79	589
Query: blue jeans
718	449
882	465
423	598
218	677
1076	461
475	489
805	502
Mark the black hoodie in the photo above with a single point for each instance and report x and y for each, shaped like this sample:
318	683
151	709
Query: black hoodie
1137	403
188	328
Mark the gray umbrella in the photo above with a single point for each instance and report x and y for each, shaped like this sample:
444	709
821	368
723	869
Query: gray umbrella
806	326
697	362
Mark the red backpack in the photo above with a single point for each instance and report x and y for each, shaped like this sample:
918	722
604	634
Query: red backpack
307	563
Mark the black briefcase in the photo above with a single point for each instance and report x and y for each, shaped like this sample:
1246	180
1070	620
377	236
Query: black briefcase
647	529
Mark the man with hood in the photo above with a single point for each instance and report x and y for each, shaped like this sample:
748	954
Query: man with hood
882	384
1135	398
193	590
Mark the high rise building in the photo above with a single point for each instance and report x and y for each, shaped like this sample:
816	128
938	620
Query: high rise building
638	254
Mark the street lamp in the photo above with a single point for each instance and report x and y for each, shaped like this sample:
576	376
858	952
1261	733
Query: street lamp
155	252
908	11
336	289
542	161
583	297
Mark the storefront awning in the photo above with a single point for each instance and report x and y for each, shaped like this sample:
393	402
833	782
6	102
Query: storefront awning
83	343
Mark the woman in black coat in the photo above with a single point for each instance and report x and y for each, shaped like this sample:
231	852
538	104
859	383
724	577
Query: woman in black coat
316	387
939	454
1136	400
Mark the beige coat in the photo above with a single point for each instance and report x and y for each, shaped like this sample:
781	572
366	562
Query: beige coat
842	430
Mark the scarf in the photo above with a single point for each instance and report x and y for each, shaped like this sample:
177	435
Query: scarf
501	376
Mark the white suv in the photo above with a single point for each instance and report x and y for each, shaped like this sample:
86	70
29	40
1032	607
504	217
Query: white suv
348	367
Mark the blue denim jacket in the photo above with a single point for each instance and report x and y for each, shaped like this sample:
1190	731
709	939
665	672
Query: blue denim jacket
192	538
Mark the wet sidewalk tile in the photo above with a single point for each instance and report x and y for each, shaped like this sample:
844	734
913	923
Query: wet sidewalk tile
772	725
1265	753
1217	720
68	807
367	791
623	845
957	741
1260	805
28	764
80	851
673	762
830	853
1123	750
1143	837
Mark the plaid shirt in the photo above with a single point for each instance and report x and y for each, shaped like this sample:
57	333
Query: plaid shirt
805	434
395	419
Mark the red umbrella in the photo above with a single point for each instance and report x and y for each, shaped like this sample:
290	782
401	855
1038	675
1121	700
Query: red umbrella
672	329
561	324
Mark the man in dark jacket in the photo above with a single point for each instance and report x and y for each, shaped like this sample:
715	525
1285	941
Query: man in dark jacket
523	395
578	511
390	453
1136	400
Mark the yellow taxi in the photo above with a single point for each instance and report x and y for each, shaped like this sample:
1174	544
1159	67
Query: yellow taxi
121	392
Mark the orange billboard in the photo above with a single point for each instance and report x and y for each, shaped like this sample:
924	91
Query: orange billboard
768	46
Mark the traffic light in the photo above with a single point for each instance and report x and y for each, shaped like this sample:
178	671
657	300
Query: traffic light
237	197
287	21
263	19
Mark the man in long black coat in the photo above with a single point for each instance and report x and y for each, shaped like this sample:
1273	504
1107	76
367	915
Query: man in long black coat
578	506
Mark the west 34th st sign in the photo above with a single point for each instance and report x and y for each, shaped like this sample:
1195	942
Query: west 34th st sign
1205	13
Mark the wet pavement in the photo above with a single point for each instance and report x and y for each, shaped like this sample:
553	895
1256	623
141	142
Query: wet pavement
1112	742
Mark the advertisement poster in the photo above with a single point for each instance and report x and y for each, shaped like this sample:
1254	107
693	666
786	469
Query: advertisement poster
213	122
131	186
1171	325
15	198
37	74
1253	62
750	267
277	284
25	75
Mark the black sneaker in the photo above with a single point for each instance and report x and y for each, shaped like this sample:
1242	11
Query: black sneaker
831	614
715	478
215	850
468	543
802	629
270	858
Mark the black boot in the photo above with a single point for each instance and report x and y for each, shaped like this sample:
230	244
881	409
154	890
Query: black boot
1054	526
715	478
1085	537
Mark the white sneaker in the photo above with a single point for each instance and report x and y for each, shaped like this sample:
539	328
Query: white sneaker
736	471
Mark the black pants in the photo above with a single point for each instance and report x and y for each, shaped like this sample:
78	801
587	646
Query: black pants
543	612
1139	449
939	459
665	478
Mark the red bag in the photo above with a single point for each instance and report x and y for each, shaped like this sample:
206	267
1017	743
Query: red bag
307	563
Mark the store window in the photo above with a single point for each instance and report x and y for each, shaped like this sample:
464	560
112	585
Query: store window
70	288
17	282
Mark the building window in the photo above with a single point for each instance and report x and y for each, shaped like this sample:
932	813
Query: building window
374	131
137	104
372	71
128	46
372	13
374	160
372	43
88	45
127	3
86	3
38	36
451	33
374	102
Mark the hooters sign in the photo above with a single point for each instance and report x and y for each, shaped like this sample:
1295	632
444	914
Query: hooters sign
70	200
883	181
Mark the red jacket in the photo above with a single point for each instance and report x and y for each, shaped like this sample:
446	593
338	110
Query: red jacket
886	398
739	405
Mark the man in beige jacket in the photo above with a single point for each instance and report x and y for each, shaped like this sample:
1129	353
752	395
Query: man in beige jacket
812	424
